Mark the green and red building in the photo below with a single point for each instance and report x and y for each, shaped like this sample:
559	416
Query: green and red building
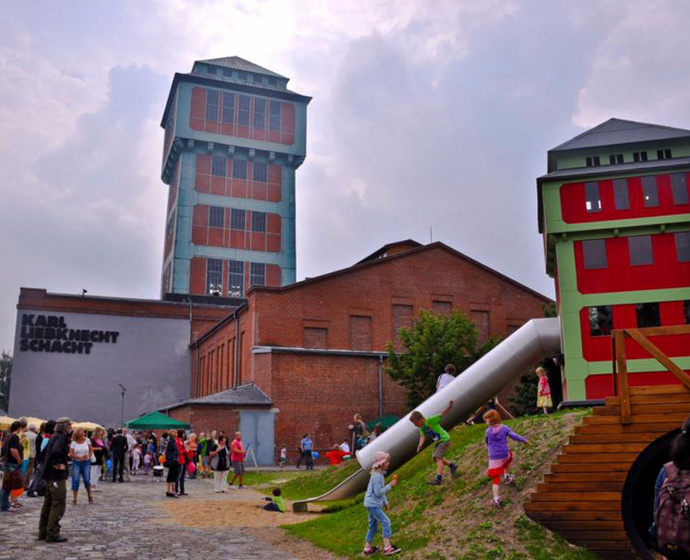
234	137
614	211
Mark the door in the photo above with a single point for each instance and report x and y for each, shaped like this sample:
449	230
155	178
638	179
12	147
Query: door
257	433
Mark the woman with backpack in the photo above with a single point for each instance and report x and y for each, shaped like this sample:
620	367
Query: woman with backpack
672	500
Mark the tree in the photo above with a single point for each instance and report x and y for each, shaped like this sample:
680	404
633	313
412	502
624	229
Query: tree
5	379
525	399
431	343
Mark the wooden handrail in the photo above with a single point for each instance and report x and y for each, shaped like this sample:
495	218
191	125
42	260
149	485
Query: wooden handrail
621	382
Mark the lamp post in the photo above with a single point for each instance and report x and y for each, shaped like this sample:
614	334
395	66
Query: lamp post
123	390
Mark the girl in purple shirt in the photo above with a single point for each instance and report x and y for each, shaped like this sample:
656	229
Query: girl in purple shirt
500	455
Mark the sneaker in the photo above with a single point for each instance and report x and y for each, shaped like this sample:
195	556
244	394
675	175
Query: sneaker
240	487
508	478
391	550
497	502
370	551
435	482
453	470
58	540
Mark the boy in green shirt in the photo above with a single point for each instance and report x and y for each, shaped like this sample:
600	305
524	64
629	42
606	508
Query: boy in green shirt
431	428
276	503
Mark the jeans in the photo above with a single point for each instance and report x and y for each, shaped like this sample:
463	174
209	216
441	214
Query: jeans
83	469
307	456
377	516
179	485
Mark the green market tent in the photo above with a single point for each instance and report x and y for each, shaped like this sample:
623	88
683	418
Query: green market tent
385	421
156	421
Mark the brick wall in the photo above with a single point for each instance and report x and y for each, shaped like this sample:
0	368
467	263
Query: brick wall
205	418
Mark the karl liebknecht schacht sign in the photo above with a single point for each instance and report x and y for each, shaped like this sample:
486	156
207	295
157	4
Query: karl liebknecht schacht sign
50	333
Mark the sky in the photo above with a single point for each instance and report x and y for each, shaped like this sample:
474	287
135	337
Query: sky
429	120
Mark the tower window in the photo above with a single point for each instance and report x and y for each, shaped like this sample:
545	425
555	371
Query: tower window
239	168
683	246
592	161
615	159
274	123
650	192
259	113
228	107
242	75
219	166
640	248
259	222
257	274
236	279
211	70
594	251
600	320
211	105
639	156
663	154
260	171
227	73
592	199
620	194
216	216
680	188
214	276
272	81
243	113
238	219
648	315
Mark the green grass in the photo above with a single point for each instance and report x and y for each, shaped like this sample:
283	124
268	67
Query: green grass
268	479
455	520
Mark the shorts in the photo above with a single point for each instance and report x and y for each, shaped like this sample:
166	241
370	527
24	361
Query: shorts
238	467
495	470
440	450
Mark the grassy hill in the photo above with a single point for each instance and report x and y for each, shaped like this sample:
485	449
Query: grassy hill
456	520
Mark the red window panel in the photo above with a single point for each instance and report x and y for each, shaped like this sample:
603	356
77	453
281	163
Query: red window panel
601	386
239	188
620	276
215	237
200	215
211	126
273	243
200	235
237	239
218	186
203	164
198	108
202	184
260	191
274	193
287	117
273	275
275	174
273	223
197	276
258	242
574	209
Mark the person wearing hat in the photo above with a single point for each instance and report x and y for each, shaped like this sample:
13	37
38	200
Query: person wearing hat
55	473
375	501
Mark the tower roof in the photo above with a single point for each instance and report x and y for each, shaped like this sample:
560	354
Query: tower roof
237	63
618	131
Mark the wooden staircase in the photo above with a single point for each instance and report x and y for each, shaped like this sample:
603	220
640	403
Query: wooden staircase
581	498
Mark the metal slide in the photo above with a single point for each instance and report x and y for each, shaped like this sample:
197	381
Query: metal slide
485	378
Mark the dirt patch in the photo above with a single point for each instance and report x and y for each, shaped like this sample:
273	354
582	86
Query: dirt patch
231	513
299	548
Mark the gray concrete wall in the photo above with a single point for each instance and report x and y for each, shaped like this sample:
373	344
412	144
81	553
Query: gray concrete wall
150	357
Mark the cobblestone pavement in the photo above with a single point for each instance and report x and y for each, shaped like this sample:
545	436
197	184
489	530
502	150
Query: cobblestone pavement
127	521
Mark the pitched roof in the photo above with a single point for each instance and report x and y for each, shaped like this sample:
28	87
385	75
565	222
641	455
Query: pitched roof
237	63
619	131
244	395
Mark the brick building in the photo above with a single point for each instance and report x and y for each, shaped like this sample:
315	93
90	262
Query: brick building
317	348
234	137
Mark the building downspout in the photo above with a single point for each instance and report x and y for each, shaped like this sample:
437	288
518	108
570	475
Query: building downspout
237	349
380	386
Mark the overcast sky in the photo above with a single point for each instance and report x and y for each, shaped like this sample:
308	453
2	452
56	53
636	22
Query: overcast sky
425	115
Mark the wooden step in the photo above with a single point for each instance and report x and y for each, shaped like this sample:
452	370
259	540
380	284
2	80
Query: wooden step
590	506
548	517
582	497
605	448
623	458
557	478
677	417
659	390
588	536
642	437
646	408
661	428
592	468
659	399
604	545
592	486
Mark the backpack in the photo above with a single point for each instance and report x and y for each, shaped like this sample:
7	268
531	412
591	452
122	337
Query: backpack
673	513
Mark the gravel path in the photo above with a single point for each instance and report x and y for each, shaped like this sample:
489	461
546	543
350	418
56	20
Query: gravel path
130	520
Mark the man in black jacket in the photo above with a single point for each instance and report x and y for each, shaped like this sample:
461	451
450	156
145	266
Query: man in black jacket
118	447
55	473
